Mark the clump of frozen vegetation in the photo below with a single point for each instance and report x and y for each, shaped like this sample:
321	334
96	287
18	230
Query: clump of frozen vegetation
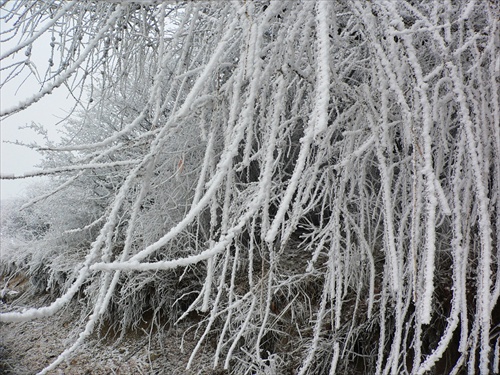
316	184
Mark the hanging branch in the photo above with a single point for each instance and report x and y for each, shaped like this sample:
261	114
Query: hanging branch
316	181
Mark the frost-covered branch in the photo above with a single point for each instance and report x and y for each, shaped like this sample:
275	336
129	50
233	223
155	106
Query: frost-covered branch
316	181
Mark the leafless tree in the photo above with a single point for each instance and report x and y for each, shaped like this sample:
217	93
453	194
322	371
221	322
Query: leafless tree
326	173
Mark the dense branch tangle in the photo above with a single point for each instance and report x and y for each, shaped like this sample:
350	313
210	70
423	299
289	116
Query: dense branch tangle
328	173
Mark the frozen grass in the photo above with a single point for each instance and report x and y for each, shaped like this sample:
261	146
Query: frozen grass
316	184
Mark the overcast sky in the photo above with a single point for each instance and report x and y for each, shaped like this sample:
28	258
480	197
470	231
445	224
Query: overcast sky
47	112
17	159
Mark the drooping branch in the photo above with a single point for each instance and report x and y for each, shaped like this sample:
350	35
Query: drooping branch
324	174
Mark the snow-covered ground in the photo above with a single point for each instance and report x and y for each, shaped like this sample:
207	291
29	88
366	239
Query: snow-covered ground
26	348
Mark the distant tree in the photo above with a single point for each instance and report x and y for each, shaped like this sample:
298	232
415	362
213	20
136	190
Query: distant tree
317	180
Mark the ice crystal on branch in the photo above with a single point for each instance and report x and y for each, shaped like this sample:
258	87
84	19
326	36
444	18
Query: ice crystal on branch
313	184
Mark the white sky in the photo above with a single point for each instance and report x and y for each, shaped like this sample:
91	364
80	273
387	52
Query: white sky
47	112
17	159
